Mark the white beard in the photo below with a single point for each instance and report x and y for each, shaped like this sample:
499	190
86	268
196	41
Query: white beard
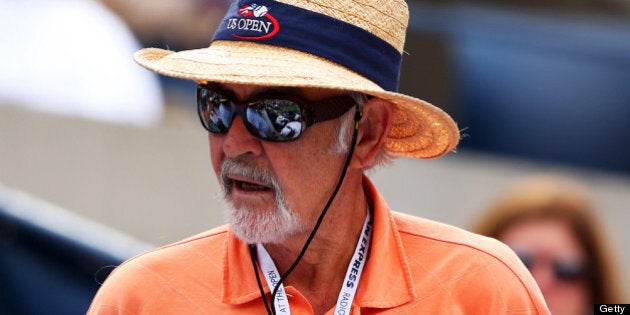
253	226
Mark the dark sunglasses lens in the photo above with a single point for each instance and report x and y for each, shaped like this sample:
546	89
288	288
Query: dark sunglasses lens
569	271
275	119
215	111
527	259
562	270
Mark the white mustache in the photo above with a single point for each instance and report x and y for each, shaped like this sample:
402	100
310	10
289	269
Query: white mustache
239	167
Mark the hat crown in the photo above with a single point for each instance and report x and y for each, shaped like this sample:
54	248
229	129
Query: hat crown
386	19
332	44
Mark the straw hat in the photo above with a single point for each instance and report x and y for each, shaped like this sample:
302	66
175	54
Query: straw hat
343	45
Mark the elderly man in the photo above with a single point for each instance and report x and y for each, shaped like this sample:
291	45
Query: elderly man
308	233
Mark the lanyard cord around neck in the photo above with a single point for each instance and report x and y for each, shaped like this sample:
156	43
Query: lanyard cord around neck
252	247
349	285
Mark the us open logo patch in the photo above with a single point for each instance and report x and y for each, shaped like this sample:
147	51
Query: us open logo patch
315	33
254	22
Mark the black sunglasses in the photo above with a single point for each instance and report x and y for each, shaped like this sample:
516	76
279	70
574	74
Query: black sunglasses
563	269
277	117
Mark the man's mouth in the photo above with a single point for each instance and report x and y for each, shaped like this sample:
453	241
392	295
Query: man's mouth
245	184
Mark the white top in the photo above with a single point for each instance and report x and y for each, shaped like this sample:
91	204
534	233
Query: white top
74	57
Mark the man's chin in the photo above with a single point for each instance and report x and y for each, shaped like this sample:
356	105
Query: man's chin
255	236
255	228
255	202
261	224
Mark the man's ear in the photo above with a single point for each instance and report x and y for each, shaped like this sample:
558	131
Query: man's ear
373	129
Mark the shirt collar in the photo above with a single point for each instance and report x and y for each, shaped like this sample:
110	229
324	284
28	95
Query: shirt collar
375	287
386	280
239	281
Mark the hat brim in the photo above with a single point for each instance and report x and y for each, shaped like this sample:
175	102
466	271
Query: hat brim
419	129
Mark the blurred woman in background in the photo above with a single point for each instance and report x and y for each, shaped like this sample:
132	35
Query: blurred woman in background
551	223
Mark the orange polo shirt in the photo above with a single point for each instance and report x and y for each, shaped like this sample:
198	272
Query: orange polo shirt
416	266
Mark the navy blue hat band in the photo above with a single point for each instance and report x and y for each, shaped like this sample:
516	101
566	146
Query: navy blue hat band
279	24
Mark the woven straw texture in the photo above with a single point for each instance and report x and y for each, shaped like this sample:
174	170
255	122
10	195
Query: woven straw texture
419	130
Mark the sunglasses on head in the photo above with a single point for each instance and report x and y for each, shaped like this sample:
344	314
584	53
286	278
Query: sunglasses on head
277	117
563	269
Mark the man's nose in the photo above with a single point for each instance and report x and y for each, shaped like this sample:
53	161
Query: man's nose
239	141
